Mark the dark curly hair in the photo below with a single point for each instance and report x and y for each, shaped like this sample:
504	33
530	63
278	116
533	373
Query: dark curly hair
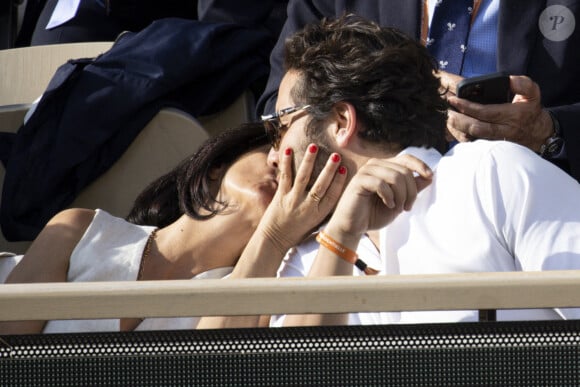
387	76
186	189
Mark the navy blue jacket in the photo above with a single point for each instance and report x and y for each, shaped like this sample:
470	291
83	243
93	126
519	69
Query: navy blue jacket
521	50
93	109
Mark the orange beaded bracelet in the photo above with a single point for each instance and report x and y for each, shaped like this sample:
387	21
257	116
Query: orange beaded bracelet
344	252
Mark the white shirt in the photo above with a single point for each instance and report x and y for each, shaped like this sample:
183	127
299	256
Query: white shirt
299	260
492	206
64	11
111	250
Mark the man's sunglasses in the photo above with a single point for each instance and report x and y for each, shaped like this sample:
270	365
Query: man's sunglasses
275	129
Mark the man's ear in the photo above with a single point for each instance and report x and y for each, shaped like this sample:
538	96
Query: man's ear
346	124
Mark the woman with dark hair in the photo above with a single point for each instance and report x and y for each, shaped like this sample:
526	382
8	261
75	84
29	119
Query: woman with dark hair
194	222
187	188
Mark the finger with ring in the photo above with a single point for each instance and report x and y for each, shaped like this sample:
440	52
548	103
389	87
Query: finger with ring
315	197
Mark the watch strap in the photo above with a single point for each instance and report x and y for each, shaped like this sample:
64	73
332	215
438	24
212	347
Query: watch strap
553	144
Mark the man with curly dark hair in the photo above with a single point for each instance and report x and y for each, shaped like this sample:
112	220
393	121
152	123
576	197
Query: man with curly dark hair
383	75
368	95
535	41
355	94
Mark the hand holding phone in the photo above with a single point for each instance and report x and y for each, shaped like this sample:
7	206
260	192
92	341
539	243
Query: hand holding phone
486	89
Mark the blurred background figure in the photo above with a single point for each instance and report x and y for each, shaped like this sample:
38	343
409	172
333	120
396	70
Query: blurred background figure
68	21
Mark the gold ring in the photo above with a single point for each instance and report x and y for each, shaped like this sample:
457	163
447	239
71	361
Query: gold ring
315	197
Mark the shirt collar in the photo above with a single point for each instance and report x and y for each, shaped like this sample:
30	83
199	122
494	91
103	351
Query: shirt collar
429	156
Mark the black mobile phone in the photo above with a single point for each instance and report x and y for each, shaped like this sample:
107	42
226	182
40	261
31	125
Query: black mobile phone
486	89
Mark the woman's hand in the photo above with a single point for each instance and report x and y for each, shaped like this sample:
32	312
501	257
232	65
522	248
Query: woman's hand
295	210
379	191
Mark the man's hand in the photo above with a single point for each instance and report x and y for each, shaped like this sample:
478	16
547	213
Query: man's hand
522	121
449	82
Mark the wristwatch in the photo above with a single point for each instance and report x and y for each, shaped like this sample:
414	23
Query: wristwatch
553	145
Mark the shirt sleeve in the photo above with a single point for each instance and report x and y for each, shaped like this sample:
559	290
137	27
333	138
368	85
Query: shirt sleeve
296	263
532	205
299	259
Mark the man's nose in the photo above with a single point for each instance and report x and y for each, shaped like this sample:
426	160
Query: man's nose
273	158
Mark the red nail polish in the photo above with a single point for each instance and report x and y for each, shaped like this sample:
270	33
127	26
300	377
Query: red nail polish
312	148
335	158
342	170
288	152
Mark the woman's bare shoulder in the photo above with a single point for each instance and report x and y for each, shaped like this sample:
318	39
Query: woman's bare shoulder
76	217
63	232
47	258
